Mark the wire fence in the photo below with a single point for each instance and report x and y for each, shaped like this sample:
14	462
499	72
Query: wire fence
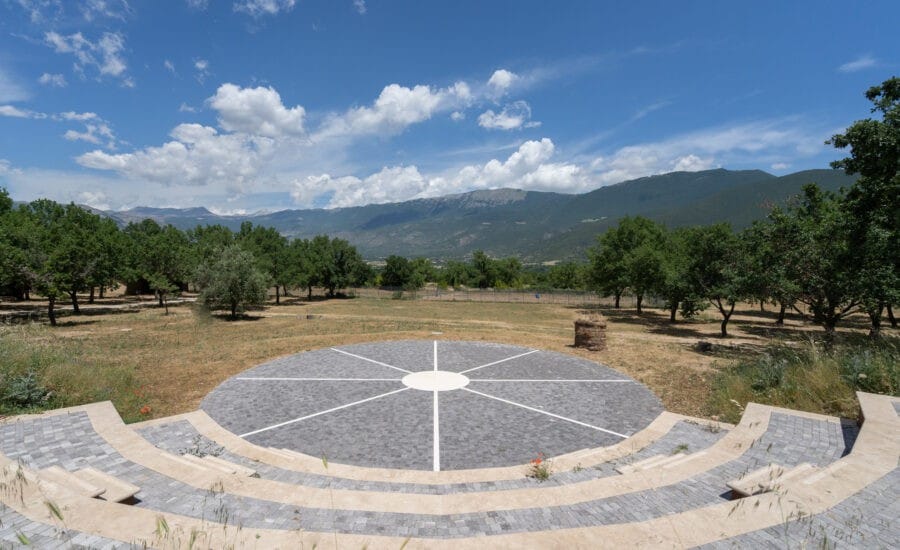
521	296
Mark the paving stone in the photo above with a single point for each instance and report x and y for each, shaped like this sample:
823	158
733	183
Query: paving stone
781	443
519	420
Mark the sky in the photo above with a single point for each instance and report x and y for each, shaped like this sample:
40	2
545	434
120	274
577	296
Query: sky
249	105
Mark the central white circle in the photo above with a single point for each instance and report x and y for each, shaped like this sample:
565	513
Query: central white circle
435	380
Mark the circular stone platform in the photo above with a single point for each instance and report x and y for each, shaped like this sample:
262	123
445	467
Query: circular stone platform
432	405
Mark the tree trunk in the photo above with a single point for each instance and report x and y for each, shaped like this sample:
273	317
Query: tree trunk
102	292
91	297
277	296
780	321
309	293
830	324
726	315
891	317
166	305
51	302
233	310
673	309
75	303
618	295
762	305
875	318
640	299
159	297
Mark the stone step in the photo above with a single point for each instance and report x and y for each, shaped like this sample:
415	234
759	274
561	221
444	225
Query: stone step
65	478
681	459
231	467
115	490
767	479
651	462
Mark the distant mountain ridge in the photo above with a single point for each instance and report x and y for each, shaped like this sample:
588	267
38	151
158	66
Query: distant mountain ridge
533	225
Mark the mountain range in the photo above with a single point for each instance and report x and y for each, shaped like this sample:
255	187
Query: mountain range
535	226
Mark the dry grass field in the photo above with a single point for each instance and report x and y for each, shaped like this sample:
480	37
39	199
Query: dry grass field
168	363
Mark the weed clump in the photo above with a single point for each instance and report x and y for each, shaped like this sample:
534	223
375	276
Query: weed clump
810	377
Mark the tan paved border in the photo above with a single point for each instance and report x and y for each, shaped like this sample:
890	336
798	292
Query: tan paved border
873	456
660	426
108	425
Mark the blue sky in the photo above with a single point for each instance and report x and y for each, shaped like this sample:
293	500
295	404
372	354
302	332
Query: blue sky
242	105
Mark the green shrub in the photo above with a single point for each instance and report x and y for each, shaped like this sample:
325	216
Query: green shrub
808	378
25	392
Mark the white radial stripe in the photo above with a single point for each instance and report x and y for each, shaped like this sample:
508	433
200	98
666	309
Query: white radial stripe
547	413
436	451
501	361
435	355
319	379
370	360
279	425
547	380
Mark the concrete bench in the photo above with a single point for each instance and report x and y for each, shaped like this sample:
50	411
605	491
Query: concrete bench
115	490
767	479
65	478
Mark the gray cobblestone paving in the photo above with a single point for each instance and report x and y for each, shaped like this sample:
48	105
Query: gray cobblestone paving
40	535
396	431
392	431
548	365
180	436
599	404
868	519
68	439
242	406
473	433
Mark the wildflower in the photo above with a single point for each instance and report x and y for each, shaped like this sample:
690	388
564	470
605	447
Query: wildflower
145	409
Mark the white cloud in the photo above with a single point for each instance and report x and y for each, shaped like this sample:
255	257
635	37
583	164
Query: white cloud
780	166
513	116
381	187
858	64
396	108
94	133
55	80
360	6
96	130
169	66
257	111
527	167
113	9
6	168
202	69
502	80
197	155
80	117
10	90
40	11
457	116
197	4
15	112
105	54
704	149
96	199
641	113
185	108
256	8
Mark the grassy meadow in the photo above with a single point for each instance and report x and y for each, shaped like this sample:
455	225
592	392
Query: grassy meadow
150	364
